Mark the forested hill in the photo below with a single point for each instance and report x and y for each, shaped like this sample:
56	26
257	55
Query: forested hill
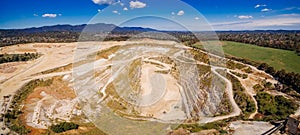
282	39
92	28
65	33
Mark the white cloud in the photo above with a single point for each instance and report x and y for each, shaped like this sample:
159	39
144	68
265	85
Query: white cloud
120	3
258	5
278	22
245	17
137	4
173	13
49	15
125	8
101	2
197	18
99	10
266	10
180	13
289	8
35	15
116	12
290	15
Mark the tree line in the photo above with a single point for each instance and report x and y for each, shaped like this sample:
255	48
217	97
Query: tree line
287	40
4	58
290	80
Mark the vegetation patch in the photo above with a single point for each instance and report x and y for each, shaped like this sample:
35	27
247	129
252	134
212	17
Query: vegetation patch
12	115
257	87
274	107
243	76
243	100
200	56
163	59
107	52
64	126
234	65
277	58
199	127
247	70
58	69
5	58
225	106
134	73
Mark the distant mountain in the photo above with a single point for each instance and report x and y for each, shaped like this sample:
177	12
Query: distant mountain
259	31
94	28
102	27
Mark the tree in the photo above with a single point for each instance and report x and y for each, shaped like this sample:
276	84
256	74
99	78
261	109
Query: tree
263	66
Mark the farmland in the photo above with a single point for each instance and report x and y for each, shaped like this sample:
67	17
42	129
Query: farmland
277	58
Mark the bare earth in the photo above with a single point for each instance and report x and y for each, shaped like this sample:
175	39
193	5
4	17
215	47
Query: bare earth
166	105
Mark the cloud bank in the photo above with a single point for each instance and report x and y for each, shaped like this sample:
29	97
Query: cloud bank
137	4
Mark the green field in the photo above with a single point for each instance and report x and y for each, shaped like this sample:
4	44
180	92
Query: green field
277	58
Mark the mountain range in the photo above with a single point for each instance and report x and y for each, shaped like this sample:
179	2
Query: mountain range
94	28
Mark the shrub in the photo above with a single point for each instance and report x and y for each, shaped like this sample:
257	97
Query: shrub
274	107
64	126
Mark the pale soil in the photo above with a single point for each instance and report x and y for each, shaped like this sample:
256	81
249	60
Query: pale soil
9	67
297	112
37	107
51	58
236	110
207	132
53	55
60	54
249	127
248	84
257	77
163	106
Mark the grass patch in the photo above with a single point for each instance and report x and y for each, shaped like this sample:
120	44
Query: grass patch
277	58
199	127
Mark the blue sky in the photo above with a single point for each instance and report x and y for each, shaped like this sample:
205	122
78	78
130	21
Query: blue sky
164	14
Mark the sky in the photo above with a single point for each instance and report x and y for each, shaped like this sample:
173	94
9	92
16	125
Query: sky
193	15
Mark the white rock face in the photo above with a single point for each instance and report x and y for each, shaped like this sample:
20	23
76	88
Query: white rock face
50	109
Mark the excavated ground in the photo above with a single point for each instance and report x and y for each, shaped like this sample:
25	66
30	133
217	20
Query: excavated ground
151	80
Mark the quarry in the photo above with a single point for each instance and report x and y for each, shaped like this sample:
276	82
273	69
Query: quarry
139	83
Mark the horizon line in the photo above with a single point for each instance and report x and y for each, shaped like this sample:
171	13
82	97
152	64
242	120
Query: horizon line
232	30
